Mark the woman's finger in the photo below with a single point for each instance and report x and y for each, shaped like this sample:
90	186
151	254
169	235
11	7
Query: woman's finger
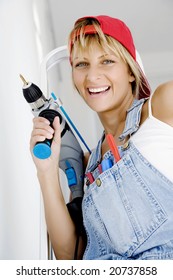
57	129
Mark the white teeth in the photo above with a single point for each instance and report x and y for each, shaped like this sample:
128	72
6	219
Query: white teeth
95	90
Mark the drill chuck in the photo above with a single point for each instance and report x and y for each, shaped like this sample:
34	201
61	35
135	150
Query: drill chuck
32	93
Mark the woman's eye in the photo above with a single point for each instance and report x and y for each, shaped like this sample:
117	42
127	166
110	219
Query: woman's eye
108	61
81	64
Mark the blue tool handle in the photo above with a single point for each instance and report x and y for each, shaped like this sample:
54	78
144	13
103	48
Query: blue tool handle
106	164
42	150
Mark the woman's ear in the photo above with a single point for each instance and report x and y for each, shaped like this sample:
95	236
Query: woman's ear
131	77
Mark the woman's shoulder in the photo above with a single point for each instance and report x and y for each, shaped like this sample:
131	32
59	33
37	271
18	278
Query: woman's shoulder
165	88
162	102
164	92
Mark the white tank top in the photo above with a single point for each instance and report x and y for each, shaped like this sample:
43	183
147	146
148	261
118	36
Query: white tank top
154	139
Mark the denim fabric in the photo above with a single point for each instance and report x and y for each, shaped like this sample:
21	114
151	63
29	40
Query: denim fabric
128	209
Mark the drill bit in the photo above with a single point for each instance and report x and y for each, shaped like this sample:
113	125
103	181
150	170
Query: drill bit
23	80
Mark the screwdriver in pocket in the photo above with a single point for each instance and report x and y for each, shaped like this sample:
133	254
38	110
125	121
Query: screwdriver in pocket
113	147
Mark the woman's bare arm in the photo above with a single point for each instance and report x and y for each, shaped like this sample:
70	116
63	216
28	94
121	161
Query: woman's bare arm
59	224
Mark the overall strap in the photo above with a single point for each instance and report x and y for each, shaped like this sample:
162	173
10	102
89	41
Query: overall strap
133	118
95	156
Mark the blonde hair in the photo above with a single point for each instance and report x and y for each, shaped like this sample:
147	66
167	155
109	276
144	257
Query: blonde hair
78	41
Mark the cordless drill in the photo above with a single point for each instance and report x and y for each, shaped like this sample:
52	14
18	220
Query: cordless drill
71	153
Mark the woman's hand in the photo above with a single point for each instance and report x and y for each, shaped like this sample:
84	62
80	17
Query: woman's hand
41	131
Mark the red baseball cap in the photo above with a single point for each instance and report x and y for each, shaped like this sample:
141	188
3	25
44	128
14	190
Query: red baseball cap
118	30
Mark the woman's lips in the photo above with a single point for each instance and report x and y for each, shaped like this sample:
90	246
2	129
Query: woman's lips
99	90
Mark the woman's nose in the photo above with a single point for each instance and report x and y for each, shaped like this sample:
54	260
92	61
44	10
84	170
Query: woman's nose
93	73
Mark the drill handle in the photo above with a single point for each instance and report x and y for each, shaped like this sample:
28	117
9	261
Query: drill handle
42	150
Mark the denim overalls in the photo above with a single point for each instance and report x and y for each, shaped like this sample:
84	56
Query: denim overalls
128	209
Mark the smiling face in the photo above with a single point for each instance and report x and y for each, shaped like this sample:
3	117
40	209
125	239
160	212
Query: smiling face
101	76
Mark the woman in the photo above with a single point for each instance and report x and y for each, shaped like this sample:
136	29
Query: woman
127	205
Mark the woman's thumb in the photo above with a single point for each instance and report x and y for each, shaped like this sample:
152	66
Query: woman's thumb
57	133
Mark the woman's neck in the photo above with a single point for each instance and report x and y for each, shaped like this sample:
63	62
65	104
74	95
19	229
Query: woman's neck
113	121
